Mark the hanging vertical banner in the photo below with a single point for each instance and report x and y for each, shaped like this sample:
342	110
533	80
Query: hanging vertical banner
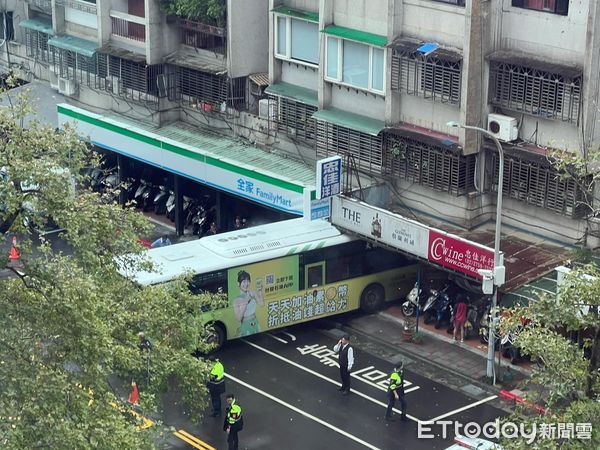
329	177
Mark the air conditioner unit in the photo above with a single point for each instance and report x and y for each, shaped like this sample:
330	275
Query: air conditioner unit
68	87
267	109
53	79
116	85
503	127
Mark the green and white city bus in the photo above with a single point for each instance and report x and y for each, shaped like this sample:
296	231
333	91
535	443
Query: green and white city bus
283	273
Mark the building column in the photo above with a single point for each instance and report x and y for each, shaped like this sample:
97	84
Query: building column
154	32
179	218
392	99
275	65
472	103
325	18
591	77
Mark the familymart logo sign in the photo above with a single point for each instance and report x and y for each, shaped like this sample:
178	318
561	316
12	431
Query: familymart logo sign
508	430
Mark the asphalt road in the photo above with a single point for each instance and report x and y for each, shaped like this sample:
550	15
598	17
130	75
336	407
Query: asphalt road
288	391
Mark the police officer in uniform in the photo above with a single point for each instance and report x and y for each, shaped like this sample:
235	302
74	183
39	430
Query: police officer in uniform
234	422
216	385
346	361
396	392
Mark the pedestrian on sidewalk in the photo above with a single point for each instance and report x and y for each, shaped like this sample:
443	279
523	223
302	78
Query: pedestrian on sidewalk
162	241
396	392
460	317
346	360
234	422
216	385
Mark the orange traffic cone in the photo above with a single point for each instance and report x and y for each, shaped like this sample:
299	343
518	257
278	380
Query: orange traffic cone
15	255
134	396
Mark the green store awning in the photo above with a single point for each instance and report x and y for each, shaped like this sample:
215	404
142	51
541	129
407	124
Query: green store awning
74	44
298	93
40	24
350	120
296	13
356	35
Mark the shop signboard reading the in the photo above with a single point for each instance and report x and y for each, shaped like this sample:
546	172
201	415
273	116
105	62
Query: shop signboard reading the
381	225
412	237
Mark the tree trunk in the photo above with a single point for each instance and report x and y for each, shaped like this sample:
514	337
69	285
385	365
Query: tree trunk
594	364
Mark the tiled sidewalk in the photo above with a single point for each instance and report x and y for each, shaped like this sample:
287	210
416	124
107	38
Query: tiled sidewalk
467	359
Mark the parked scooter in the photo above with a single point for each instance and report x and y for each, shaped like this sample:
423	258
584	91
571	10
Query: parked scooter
160	200
438	308
414	301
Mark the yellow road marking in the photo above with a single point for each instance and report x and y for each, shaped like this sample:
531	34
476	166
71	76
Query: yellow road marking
193	440
191	436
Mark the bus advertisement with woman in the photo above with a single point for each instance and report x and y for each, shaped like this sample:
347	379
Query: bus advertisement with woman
282	274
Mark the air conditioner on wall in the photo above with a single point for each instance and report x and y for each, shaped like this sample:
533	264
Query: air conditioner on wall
68	87
503	127
267	109
53	79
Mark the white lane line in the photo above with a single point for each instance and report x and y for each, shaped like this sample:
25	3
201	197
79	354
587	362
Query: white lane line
323	377
277	339
304	413
464	408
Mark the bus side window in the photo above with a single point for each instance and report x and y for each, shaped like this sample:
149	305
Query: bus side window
213	282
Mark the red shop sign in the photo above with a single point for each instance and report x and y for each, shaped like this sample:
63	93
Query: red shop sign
459	255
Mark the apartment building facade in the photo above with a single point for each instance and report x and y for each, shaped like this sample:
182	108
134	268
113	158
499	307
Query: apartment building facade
375	79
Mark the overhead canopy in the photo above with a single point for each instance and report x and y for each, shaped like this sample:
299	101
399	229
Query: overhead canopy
74	44
296	13
356	35
38	24
350	120
190	59
301	94
519	58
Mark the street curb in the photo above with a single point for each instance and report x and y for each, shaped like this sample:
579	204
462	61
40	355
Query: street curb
393	318
423	360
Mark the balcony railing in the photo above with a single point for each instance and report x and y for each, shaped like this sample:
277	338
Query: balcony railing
43	5
128	26
87	6
204	36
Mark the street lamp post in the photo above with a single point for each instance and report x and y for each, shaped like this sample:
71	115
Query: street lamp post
498	271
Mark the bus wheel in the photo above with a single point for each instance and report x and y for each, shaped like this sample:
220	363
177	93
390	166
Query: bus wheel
372	298
216	335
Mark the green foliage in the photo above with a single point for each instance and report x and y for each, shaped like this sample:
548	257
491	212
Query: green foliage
566	375
69	323
207	11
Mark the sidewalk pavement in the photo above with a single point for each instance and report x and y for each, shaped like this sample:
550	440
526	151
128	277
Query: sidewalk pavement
467	360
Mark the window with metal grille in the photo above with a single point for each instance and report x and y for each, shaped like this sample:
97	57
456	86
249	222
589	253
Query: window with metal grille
539	184
134	80
294	118
36	45
200	35
73	66
205	90
429	165
431	76
534	91
334	140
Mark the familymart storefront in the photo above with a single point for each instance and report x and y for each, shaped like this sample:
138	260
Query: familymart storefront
212	160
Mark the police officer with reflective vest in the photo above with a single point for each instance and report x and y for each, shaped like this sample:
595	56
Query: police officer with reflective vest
234	422
396	392
216	385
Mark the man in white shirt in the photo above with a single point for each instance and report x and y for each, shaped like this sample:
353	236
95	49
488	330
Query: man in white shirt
346	360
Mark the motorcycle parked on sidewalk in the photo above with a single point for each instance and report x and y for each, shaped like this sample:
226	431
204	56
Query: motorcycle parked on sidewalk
415	301
438	307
